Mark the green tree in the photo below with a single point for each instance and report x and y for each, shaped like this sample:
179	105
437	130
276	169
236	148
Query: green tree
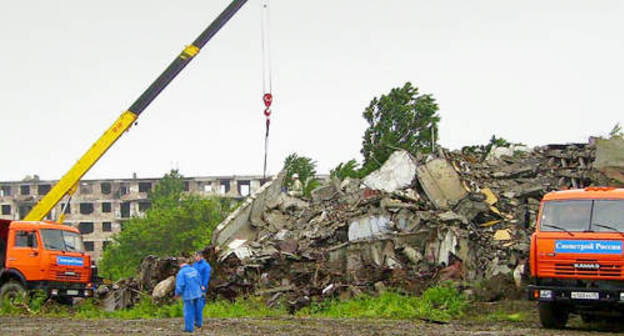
402	119
303	166
175	223
344	170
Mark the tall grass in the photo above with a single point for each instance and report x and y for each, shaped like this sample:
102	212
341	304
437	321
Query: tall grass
437	303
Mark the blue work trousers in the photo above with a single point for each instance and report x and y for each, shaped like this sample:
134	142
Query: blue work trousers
191	311
199	312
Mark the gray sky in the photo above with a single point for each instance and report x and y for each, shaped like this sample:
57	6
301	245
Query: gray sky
531	71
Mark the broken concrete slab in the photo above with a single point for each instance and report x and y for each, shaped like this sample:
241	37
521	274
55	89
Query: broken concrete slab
441	183
238	224
397	172
368	227
164	288
324	193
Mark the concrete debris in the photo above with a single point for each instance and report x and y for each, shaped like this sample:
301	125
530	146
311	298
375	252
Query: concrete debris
397	172
164	288
502	235
441	183
368	228
465	215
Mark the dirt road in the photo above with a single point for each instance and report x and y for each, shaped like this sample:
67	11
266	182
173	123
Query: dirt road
299	327
477	322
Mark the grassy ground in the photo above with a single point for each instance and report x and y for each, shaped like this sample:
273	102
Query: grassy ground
440	303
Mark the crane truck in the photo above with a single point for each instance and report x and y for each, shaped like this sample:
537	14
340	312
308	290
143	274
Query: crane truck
577	255
37	254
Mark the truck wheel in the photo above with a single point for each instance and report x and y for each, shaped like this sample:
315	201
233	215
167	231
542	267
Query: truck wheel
552	316
12	290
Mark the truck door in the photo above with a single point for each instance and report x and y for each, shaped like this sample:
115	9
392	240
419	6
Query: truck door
23	253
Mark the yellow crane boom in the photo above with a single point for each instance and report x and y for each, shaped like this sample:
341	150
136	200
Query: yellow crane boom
67	184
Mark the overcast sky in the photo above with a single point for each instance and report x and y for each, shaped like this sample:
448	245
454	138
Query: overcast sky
535	72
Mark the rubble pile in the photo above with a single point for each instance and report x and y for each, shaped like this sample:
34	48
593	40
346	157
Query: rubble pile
463	215
155	275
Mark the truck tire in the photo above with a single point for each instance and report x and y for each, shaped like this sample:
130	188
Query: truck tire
11	290
552	316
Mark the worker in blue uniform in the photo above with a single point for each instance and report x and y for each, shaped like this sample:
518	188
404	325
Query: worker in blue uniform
188	286
203	268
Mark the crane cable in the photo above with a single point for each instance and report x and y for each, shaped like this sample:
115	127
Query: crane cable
267	85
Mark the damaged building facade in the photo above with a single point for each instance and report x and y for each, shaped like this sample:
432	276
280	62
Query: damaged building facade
100	207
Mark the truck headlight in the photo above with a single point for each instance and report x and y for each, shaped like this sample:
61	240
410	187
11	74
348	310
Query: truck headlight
54	292
87	293
545	294
621	296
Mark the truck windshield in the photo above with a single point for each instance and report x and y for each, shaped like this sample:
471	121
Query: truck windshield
575	215
59	240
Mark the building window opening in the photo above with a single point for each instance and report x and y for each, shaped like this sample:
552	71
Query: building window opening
6	209
86	208
24	190
67	209
106	207
23	210
107	227
125	209
224	186
123	189
244	188
85	227
43	189
5	191
143	206
145	186
105	188
89	246
86	188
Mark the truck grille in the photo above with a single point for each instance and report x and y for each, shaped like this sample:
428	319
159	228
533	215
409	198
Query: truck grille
62	276
605	270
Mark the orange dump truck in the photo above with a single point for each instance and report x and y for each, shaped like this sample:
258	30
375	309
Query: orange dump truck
577	256
45	256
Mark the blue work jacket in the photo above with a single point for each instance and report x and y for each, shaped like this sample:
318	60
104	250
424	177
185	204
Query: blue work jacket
203	267
188	283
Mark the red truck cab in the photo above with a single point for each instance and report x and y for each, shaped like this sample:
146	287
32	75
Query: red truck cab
45	256
576	255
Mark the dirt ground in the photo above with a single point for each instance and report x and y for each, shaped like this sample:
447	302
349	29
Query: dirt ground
479	321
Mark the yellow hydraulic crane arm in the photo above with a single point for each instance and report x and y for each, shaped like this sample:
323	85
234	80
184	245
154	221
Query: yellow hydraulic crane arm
66	184
73	176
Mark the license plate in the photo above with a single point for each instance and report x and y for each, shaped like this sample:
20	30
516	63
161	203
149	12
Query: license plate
585	295
72	292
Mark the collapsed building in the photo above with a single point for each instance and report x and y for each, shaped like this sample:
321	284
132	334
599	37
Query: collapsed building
464	215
